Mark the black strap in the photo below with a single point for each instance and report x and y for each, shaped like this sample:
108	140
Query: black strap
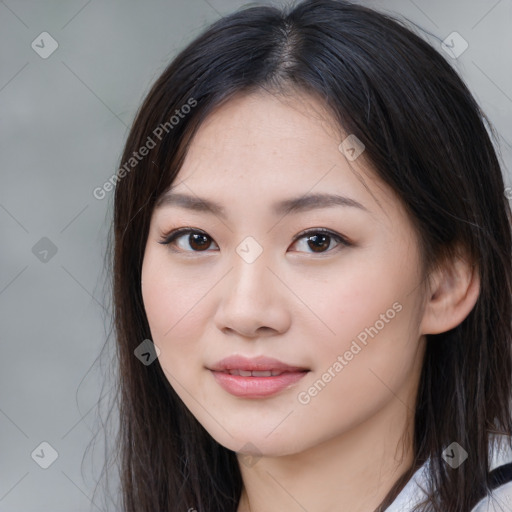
501	475
497	477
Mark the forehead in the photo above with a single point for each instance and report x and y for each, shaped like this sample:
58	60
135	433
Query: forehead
266	137
268	147
261	121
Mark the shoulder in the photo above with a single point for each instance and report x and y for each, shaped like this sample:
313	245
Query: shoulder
500	500
500	497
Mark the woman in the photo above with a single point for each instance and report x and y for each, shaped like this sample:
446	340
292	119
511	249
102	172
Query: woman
312	275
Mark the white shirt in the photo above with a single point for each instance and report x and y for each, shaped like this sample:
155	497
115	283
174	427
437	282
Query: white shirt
501	500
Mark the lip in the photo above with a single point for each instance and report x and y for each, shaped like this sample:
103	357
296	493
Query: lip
255	386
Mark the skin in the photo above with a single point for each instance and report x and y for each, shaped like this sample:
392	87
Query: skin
345	448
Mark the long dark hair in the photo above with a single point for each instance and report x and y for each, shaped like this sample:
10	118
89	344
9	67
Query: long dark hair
427	139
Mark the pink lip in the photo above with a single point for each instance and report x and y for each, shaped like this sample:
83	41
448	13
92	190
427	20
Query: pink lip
255	387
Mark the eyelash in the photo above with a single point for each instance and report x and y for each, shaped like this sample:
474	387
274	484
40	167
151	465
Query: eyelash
171	237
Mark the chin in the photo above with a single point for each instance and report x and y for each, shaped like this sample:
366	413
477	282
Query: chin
255	440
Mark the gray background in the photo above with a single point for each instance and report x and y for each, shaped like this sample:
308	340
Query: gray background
63	123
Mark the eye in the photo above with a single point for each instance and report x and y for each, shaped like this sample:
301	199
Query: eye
318	240
197	240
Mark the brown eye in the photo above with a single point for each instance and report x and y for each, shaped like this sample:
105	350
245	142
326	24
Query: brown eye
196	241
320	240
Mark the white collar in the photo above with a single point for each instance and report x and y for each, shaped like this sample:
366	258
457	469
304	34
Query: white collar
413	493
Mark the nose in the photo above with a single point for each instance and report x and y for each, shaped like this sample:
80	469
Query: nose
254	301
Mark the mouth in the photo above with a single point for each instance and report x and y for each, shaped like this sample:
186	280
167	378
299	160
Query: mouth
255	373
257	377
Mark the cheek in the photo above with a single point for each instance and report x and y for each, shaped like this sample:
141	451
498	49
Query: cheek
172	302
360	295
174	329
369	363
370	316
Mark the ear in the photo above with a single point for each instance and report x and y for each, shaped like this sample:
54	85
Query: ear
453	292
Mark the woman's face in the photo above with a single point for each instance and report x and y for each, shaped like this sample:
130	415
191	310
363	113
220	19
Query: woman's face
333	324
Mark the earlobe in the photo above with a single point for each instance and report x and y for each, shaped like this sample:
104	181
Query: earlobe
453	293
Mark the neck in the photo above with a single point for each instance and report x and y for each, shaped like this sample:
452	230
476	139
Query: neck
353	471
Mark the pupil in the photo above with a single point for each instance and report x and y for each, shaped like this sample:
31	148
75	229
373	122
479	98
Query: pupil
315	238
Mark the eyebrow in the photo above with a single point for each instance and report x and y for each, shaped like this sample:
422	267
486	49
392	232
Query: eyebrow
303	203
